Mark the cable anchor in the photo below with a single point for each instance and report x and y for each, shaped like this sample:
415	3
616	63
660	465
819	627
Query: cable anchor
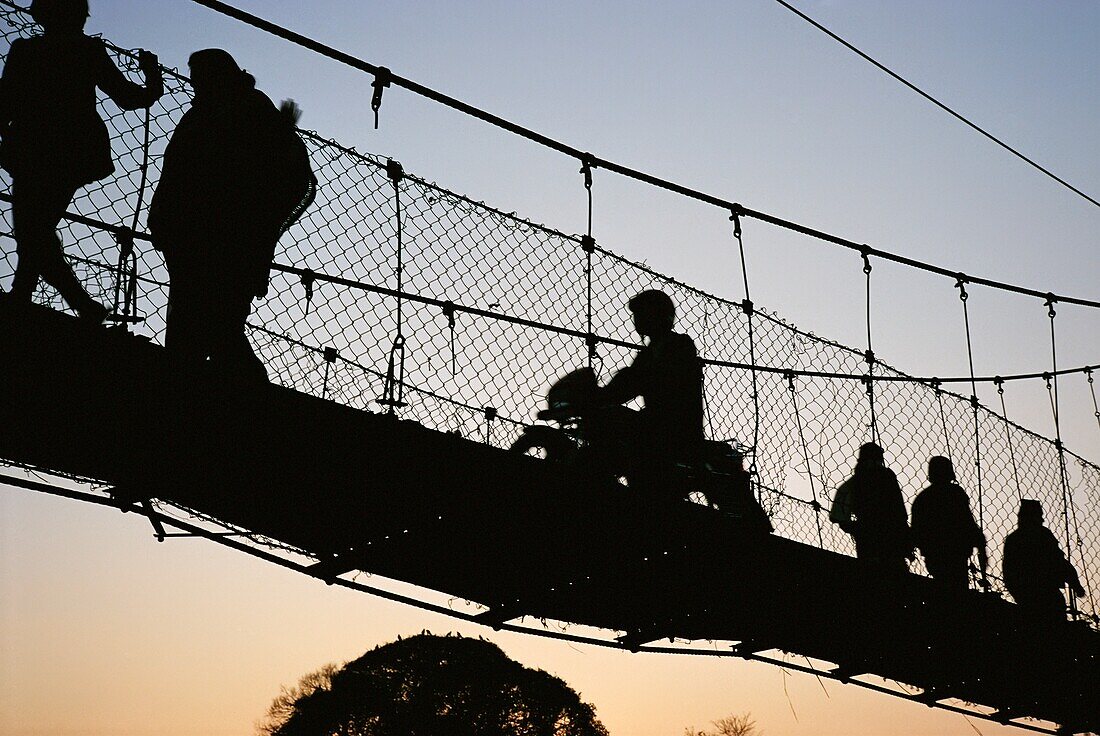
382	79
393	396
308	280
490	415
449	313
865	254
735	218
125	296
588	162
394	171
960	284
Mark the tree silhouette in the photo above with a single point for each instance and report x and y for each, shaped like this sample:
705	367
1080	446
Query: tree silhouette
735	725
427	685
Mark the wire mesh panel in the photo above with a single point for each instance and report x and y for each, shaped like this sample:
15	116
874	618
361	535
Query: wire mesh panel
491	309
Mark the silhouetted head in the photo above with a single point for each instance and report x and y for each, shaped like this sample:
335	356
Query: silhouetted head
60	15
216	75
870	456
654	313
940	470
1031	512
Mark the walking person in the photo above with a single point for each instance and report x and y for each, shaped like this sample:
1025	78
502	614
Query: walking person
944	529
1035	569
870	507
235	172
54	141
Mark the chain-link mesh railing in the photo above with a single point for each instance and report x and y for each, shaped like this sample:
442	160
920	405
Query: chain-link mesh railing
496	309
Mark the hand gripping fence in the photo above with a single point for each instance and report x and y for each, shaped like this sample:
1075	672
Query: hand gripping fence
489	309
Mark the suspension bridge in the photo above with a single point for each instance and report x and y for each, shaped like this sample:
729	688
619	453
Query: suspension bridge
410	333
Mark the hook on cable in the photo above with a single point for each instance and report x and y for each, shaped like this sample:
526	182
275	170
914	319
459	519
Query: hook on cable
382	80
588	162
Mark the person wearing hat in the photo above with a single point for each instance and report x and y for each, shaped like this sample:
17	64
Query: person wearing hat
944	528
54	141
1035	569
870	507
234	172
668	375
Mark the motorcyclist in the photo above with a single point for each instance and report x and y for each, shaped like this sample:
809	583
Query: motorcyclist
667	374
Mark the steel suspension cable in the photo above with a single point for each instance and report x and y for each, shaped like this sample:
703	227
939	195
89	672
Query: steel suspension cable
1008	435
588	245
806	456
747	307
943	419
869	356
1092	390
548	142
394	396
1063	475
964	298
936	102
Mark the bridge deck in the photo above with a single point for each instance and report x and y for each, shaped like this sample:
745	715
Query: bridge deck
366	491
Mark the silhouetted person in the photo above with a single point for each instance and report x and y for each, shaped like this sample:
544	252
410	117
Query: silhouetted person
1035	570
668	375
870	507
54	141
944	528
233	172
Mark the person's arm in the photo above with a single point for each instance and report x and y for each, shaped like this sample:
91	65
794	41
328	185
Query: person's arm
977	538
901	518
126	94
1071	578
623	386
8	103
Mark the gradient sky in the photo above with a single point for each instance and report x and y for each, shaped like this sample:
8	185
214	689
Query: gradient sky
103	631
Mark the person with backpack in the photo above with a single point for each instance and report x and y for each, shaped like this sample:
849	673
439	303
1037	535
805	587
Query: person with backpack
944	529
54	141
870	507
1035	569
235	173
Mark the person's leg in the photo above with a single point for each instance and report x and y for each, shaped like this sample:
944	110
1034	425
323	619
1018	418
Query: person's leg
37	209
185	327
230	347
29	228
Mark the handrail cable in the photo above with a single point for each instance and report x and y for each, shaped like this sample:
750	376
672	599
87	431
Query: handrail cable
544	140
964	298
936	102
445	304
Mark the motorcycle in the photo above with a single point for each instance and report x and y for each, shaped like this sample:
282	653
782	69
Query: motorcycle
590	431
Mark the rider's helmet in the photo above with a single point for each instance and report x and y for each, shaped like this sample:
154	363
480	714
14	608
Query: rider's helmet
655	305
